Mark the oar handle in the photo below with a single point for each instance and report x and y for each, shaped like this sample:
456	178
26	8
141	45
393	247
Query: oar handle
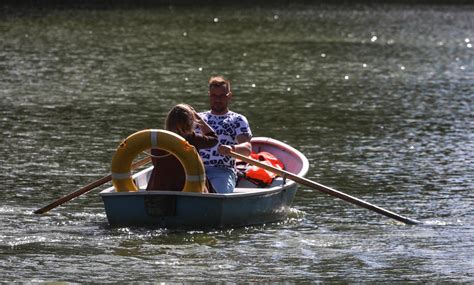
86	189
325	189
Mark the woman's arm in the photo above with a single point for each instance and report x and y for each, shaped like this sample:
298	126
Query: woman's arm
204	141
205	128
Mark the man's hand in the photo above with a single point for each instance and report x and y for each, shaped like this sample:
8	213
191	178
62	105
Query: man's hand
225	149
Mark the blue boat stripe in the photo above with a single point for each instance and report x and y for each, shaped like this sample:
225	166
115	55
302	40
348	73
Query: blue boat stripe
194	178
121	176
154	138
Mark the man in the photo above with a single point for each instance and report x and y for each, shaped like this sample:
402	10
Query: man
233	132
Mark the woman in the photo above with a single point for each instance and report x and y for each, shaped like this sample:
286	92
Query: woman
168	173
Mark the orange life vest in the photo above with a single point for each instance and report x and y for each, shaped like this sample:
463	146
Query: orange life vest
260	176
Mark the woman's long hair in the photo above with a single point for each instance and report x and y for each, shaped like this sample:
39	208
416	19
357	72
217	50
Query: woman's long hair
180	119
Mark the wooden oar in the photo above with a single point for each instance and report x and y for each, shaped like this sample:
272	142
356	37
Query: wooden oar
86	188
325	189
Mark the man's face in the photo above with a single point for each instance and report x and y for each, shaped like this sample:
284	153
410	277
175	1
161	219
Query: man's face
219	99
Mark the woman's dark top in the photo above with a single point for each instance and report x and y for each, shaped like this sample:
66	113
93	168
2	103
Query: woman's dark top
168	173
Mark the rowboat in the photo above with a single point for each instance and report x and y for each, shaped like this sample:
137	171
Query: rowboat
247	205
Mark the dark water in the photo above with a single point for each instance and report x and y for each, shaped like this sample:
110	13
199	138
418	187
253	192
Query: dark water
379	98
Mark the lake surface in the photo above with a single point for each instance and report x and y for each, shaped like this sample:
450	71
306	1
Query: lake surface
378	97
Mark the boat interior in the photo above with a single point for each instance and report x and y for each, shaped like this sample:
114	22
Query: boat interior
293	162
243	185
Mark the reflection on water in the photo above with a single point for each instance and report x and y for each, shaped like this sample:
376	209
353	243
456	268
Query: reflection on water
379	98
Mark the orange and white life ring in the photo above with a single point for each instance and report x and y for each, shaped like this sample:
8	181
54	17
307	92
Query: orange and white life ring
162	139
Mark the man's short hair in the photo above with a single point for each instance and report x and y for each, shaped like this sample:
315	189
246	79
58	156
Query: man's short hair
219	81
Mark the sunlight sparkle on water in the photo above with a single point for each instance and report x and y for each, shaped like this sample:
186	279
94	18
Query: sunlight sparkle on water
414	166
